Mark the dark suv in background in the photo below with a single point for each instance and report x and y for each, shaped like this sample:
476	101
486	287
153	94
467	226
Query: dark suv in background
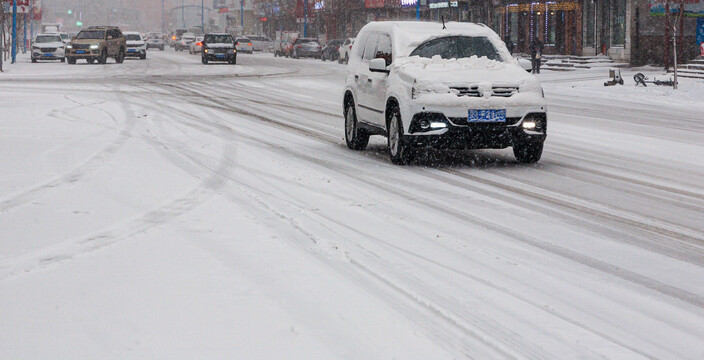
218	47
97	43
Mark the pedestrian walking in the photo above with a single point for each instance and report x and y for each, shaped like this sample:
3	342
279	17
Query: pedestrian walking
536	53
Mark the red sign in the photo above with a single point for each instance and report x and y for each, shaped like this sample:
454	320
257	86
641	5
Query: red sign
224	10
374	3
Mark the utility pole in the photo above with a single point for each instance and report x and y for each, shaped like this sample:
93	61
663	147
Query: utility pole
305	18
31	24
242	15
14	31
163	18
202	15
417	10
183	15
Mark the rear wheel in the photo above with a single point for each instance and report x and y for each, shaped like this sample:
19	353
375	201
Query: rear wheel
356	138
71	61
528	152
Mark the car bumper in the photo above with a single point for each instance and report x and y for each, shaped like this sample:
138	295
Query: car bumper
149	46
451	128
136	52
220	57
47	56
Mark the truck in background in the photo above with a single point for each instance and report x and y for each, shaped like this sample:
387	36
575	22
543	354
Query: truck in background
282	39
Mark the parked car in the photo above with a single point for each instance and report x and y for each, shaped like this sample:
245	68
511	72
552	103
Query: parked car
185	42
422	85
244	45
136	46
196	46
306	47
48	47
331	51
155	40
345	51
261	43
97	43
219	47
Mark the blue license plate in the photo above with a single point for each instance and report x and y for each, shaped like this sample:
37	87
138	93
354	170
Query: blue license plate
80	52
220	55
487	116
48	55
131	50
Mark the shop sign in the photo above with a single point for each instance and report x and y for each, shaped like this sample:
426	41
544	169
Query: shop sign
434	4
691	7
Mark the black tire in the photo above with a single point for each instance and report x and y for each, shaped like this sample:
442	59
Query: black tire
233	61
103	57
34	61
356	138
63	59
528	152
71	61
204	60
120	58
143	57
90	61
400	152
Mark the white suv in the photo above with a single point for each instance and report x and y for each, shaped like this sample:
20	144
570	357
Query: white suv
424	85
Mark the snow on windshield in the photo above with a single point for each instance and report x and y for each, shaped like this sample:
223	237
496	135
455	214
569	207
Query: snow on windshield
91	34
47	39
458	47
133	37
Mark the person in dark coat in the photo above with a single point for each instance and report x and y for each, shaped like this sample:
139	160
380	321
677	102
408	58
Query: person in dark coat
536	53
509	44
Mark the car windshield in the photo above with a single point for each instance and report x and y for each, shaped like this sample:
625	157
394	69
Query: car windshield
218	39
133	37
47	39
91	34
458	47
244	40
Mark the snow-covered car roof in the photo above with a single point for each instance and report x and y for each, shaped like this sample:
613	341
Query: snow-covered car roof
131	33
408	35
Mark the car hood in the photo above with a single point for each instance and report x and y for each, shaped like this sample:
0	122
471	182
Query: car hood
87	41
135	42
220	46
441	74
56	44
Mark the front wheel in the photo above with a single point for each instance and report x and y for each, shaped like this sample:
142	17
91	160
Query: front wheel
399	150
204	60
528	152
103	57
90	61
356	138
233	61
120	56
71	61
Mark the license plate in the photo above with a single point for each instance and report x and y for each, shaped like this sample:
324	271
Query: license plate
48	55
80	52
131	50
487	116
220	55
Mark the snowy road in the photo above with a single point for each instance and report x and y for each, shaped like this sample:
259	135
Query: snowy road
164	209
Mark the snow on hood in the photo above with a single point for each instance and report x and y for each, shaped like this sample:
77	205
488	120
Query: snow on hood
438	74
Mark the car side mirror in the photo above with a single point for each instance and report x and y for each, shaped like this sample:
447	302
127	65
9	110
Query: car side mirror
378	65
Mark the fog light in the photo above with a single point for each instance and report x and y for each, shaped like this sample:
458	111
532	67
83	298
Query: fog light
438	125
529	125
424	124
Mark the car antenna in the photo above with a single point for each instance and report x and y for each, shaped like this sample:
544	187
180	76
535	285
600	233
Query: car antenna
443	23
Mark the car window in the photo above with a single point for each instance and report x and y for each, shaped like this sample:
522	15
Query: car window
47	39
383	49
370	47
91	34
243	40
133	37
458	47
65	36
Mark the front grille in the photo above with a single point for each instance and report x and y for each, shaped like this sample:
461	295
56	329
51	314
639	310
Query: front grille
133	46
81	46
465	122
48	50
473	91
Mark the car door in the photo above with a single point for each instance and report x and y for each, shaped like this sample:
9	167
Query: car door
378	82
365	82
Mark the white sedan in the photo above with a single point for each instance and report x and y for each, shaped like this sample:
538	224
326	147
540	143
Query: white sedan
244	45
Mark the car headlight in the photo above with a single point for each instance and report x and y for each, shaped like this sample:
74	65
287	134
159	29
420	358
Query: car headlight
69	46
94	47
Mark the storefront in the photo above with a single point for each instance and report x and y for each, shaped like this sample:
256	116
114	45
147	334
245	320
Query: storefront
557	23
605	27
